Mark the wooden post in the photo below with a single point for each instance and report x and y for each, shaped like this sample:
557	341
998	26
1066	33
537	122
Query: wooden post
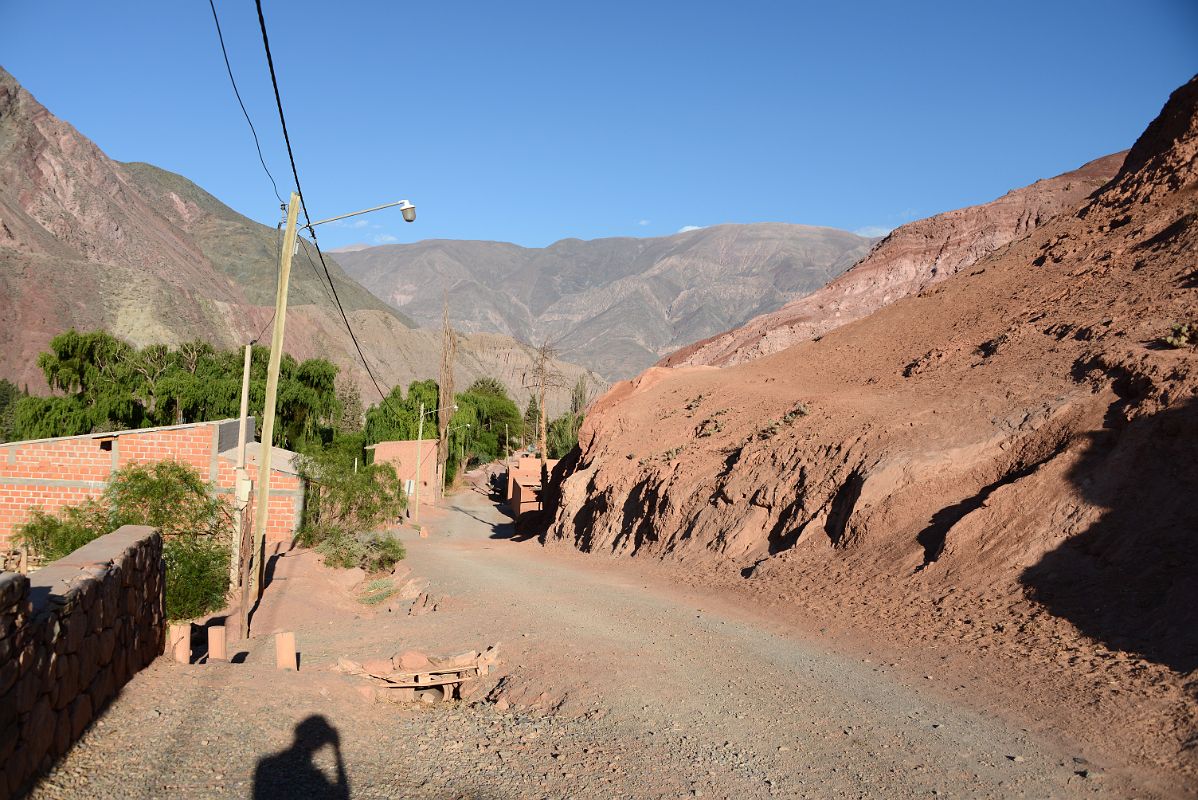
419	447
216	643
179	643
285	655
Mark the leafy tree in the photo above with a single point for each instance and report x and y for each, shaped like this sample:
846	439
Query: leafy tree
491	416
9	395
108	384
563	434
350	415
532	416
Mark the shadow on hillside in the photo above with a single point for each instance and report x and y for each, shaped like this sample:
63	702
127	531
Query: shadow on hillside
1131	579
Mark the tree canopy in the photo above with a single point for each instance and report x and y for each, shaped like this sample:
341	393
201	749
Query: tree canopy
108	384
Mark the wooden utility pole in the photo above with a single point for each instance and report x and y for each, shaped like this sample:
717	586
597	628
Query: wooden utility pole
419	448
449	349
262	494
241	492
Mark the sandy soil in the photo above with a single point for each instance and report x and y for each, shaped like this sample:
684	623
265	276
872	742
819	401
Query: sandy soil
616	681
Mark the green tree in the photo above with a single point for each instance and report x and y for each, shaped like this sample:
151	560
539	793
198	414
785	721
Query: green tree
532	417
491	415
107	384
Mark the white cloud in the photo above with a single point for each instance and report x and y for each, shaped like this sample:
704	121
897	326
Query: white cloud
643	222
873	230
689	228
385	238
357	223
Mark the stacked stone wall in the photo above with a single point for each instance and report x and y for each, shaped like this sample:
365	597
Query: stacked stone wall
71	635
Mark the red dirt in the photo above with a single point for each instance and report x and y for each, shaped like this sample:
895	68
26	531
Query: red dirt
1000	469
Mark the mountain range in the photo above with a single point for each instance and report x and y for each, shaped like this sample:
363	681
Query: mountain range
910	259
92	243
616	305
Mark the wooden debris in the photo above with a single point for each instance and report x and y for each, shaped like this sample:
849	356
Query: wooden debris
458	675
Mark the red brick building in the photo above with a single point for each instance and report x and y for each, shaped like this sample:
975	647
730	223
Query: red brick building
52	473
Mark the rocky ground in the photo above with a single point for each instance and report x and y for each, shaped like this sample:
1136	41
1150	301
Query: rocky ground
616	681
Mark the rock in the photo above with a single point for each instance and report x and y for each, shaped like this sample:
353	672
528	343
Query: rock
378	666
411	661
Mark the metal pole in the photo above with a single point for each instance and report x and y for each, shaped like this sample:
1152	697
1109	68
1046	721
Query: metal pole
419	447
262	501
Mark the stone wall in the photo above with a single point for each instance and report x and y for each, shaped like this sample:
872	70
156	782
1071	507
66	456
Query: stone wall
71	635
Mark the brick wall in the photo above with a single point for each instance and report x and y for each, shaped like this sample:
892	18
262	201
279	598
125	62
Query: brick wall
52	473
71	635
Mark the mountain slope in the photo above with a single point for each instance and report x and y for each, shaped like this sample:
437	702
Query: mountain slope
909	259
1003	466
615	305
146	254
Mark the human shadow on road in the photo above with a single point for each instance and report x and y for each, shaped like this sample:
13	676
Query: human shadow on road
294	773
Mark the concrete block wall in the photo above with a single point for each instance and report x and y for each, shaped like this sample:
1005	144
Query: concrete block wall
71	635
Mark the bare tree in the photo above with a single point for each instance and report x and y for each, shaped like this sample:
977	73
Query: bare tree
542	377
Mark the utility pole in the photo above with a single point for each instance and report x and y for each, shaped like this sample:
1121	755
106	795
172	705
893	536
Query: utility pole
419	447
449	349
242	485
262	501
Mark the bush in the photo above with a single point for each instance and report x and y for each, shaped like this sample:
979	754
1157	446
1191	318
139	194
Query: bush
343	549
197	576
1182	335
169	496
172	497
52	538
346	508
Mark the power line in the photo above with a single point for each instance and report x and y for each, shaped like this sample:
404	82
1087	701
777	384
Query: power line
232	80
295	173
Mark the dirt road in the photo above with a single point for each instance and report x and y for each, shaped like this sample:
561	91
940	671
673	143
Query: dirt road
655	695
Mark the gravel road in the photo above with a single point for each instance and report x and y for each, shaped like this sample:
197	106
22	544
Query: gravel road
615	684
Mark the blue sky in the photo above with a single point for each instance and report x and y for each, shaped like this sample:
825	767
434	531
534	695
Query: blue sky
532	122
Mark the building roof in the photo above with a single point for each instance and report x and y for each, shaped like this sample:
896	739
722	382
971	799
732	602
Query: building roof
126	432
281	460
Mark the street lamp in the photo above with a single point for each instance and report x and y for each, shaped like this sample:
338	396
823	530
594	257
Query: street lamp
288	249
406	209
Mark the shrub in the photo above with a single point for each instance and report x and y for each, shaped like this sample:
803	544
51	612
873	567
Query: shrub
1183	335
197	576
345	507
169	496
343	549
172	497
52	537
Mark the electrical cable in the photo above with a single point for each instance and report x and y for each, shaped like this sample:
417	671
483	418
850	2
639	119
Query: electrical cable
299	190
232	80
